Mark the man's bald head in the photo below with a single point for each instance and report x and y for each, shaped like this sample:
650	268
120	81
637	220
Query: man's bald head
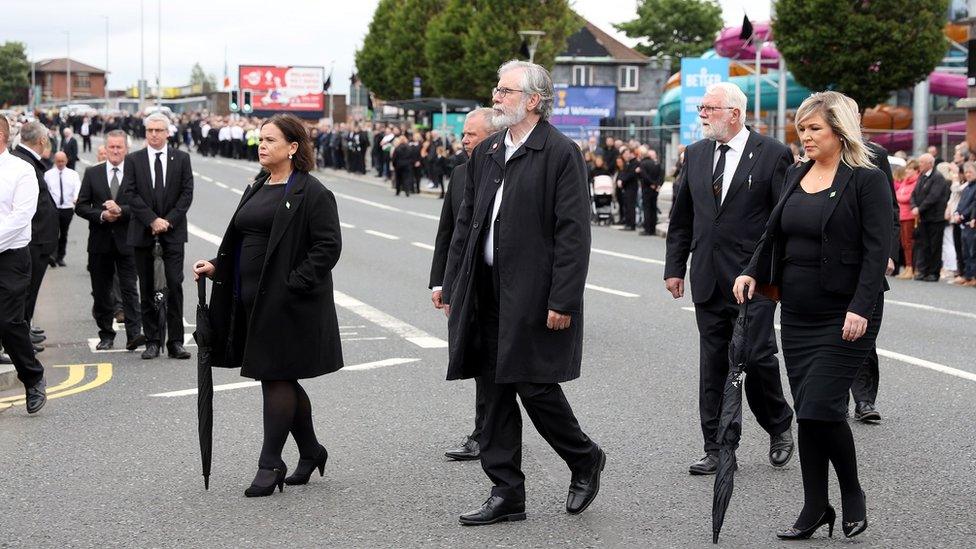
60	160
926	162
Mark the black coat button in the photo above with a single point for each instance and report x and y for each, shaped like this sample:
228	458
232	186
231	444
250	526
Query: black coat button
825	260
476	224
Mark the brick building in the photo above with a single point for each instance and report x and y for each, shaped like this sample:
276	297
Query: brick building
51	75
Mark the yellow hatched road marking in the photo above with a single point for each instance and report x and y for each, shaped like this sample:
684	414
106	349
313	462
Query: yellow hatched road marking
76	373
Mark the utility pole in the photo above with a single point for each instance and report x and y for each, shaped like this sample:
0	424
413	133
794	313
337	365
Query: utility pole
969	102
33	90
105	85
142	53
781	91
67	35
159	54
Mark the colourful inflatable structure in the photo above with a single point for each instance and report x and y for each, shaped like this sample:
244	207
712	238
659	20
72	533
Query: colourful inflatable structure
883	117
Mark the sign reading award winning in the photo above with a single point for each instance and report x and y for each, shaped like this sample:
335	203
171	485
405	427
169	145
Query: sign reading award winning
696	75
284	89
576	109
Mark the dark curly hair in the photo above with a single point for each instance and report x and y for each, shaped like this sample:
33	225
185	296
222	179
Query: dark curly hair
294	131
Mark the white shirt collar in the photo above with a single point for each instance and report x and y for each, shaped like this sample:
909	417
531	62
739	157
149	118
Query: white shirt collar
32	151
109	166
152	152
737	143
510	143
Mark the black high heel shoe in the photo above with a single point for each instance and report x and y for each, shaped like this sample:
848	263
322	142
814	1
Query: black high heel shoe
306	467
828	517
852	529
259	490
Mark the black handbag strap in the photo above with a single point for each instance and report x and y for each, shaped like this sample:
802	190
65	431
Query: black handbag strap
202	290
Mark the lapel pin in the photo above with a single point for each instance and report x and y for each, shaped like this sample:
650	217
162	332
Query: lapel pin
750	175
750	156
288	205
494	146
833	194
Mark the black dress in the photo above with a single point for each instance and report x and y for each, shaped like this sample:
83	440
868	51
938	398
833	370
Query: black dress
821	366
253	221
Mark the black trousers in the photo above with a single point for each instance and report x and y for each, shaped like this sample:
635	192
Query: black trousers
64	222
545	403
173	269
40	257
479	409
15	279
86	143
865	386
928	248
628	205
103	268
763	388
404	180
649	205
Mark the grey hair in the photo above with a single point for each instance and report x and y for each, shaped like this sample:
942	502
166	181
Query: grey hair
734	95
535	80
486	113
117	133
969	166
33	132
156	116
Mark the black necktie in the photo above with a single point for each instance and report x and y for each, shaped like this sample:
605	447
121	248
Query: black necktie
114	183
158	187
718	173
61	185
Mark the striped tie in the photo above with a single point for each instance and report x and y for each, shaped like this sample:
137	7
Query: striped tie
718	173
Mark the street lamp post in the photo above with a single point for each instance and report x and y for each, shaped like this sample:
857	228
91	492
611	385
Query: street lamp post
532	38
67	59
105	80
159	54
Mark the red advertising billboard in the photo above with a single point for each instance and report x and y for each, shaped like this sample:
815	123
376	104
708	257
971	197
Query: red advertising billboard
283	89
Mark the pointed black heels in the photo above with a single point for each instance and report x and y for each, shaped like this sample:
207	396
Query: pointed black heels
266	481
828	517
305	468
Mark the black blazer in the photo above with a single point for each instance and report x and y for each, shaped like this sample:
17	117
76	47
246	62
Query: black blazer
879	157
44	224
138	189
103	237
856	226
723	239
931	195
293	331
70	148
445	229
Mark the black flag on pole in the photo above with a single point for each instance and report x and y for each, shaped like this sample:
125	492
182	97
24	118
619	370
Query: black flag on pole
327	85
524	50
747	31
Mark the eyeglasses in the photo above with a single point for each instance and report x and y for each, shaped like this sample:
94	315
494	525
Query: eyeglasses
502	92
708	109
156	130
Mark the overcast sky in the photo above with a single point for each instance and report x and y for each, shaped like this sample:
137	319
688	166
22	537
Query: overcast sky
295	32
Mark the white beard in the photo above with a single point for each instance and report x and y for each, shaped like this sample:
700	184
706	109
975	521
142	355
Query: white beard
506	119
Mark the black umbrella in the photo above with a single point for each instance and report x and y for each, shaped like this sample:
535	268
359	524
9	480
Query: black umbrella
204	338
159	289
730	421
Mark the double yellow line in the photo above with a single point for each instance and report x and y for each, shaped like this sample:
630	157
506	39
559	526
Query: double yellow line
70	386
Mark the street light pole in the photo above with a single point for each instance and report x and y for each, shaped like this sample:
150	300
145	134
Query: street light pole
532	37
159	54
142	53
68	61
105	80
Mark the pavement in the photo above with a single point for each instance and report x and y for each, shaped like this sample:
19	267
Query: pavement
113	459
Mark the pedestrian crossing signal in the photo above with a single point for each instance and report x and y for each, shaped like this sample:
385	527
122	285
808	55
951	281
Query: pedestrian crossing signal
234	101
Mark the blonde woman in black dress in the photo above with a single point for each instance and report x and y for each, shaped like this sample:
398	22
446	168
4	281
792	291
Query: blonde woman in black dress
826	246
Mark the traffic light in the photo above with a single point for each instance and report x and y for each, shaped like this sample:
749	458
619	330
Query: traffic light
247	102
234	101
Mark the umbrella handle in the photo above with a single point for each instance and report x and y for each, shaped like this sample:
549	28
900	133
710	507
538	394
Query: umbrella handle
202	290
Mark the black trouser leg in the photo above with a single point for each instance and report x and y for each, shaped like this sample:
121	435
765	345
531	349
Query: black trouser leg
101	268
763	388
302	429
64	222
15	279
143	258
279	414
40	258
479	409
125	275
550	412
629	205
865	386
649	205
86	143
928	249
173	262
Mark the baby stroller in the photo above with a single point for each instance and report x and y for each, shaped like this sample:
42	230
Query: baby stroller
602	194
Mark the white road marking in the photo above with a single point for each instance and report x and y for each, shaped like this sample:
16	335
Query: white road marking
929	308
198	232
406	331
363	338
627	256
379	364
188	341
692	309
351	327
423	246
238	192
345	225
386	206
382	235
203	177
217	388
611	291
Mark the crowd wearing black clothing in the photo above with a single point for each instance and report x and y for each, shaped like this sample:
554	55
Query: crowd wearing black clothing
638	178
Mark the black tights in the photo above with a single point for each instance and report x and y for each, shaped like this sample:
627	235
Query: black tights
286	409
822	442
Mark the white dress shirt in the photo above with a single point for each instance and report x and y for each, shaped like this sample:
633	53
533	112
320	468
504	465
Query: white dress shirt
736	145
236	132
152	163
66	179
18	201
510	148
223	134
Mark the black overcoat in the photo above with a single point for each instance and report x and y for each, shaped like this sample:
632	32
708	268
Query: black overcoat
293	332
542	252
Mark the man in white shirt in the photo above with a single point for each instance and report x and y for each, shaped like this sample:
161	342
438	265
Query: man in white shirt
223	135
86	132
237	140
63	184
18	201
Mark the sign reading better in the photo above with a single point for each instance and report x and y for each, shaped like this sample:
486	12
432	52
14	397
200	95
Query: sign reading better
696	75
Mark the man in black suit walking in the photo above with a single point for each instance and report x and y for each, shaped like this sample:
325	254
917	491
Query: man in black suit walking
69	145
477	126
651	179
45	225
158	185
733	179
929	201
102	203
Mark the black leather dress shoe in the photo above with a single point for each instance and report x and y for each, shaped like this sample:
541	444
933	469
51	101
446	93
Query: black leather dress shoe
584	486
36	397
494	509
37	338
781	448
36	330
931	278
705	466
5	358
467	451
152	351
105	344
38	348
135	343
176	350
865	412
61	263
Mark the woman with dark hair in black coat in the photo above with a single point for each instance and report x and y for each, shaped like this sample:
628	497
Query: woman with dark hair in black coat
826	246
272	300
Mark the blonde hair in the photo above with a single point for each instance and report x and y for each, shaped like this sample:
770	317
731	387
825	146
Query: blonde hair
948	170
843	117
